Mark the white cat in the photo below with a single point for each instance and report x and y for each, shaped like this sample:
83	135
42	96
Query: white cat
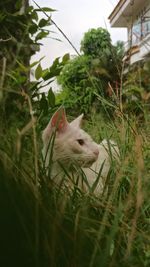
74	149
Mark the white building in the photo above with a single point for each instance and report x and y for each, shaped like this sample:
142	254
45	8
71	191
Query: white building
135	16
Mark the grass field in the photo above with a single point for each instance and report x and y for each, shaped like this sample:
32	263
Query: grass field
43	226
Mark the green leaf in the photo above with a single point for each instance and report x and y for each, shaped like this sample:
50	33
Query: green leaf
65	58
33	28
51	74
45	9
41	35
18	4
43	104
51	98
56	39
42	23
24	68
55	63
38	72
29	9
34	15
36	62
54	70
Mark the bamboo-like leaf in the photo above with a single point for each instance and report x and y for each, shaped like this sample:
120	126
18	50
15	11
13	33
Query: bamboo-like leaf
45	9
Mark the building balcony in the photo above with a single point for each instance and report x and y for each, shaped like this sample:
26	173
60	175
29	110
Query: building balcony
126	12
135	52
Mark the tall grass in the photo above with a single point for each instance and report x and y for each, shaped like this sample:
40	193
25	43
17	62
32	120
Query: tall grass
42	225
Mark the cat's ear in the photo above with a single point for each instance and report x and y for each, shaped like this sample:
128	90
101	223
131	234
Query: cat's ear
58	122
77	122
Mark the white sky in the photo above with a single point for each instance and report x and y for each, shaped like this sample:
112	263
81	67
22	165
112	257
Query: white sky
75	17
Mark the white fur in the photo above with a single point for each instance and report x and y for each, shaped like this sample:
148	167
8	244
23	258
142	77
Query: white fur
108	151
68	152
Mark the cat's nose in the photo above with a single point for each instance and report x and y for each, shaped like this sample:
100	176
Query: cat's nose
96	152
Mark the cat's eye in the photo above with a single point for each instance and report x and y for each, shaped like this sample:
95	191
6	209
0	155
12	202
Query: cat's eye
81	142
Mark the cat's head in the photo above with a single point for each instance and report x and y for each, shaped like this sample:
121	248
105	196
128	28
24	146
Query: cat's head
72	144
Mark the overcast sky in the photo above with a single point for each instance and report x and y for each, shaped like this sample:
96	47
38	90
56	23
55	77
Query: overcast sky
75	17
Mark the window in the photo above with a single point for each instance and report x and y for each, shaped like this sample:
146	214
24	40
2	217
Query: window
136	32
146	23
141	27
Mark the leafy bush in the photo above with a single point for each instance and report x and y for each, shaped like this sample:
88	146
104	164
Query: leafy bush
90	75
95	42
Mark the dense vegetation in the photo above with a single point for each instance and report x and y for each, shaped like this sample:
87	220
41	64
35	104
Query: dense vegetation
41	225
93	73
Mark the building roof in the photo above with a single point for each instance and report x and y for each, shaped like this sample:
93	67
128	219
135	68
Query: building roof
126	11
116	9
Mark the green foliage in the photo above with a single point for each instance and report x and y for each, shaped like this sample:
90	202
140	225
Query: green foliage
42	225
95	42
38	72
43	103
53	227
77	84
87	76
136	90
80	84
21	29
21	32
29	28
139	75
